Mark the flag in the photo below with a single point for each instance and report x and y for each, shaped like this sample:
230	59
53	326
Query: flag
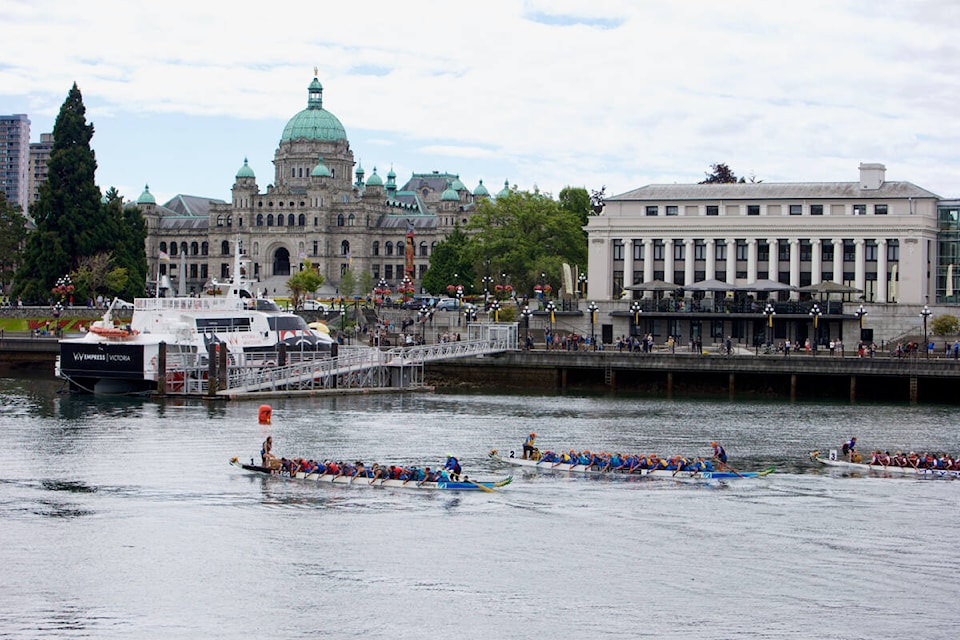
164	256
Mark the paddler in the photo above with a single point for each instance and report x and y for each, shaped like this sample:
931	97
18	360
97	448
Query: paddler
529	446
718	452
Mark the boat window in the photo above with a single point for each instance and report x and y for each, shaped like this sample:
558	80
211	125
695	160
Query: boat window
223	324
287	323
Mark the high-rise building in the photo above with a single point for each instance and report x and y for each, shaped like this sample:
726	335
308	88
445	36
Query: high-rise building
39	157
15	158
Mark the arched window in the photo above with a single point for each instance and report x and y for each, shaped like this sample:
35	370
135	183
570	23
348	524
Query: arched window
376	248
345	248
302	220
224	248
280	220
229	220
340	220
163	247
220	220
351	220
173	249
194	248
183	248
293	172
423	249
388	248
269	219
291	220
204	248
259	219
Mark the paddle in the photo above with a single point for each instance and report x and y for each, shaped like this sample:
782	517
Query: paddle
724	464
478	485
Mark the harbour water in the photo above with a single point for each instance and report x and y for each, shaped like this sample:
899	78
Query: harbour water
122	518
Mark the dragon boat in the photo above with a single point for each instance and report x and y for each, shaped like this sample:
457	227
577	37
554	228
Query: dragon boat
834	461
670	474
464	485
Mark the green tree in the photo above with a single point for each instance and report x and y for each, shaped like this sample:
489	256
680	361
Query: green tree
576	200
128	250
450	264
525	235
366	284
305	281
720	174
69	218
348	283
945	325
13	232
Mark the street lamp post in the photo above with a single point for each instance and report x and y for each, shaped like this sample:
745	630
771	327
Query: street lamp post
459	302
551	309
582	280
770	311
636	309
526	313
815	314
592	308
424	312
860	313
487	281
925	313
495	307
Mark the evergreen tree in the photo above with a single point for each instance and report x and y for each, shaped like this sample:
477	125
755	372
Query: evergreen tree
13	231
70	220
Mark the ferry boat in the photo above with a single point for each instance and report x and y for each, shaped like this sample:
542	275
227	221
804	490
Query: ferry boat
116	357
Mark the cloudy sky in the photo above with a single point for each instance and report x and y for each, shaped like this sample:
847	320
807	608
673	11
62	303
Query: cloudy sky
543	93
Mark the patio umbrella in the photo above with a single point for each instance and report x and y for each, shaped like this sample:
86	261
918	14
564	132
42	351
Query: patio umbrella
653	285
829	287
710	285
765	286
319	326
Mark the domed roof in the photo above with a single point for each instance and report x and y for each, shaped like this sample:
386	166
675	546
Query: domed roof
456	185
391	174
506	189
374	180
449	193
314	122
146	197
321	170
481	190
245	171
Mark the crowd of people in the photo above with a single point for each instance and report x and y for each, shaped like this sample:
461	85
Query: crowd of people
941	461
451	471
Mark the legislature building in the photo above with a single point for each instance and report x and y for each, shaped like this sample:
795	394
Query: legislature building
320	206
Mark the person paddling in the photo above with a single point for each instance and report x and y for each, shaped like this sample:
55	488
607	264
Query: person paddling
266	451
453	467
529	446
718	452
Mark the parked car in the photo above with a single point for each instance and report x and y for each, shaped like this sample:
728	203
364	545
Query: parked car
313	305
453	304
417	303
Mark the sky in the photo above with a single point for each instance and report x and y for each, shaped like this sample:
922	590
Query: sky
541	93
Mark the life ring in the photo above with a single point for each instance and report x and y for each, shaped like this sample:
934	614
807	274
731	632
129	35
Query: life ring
265	413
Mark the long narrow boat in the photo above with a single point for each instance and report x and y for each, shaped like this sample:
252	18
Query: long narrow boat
466	485
537	465
890	469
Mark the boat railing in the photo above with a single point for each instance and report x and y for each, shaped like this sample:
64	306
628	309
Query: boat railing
189	304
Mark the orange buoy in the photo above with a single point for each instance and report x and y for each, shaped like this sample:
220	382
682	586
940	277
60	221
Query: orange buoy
265	414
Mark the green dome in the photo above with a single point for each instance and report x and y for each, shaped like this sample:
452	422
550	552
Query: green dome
391	175
481	190
146	197
449	193
375	180
245	171
321	171
506	189
457	185
314	122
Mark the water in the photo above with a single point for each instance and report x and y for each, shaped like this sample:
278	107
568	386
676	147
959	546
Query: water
122	518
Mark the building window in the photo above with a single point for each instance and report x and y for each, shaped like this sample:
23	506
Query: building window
849	251
618	250
194	248
259	219
388	248
203	271
280	220
720	252
423	250
376	247
763	252
388	272
220	220
637	250
224	248
376	272
653	210
204	248
173	249
713	210
699	250
678	250
827	252
290	220
302	220
806	251
783	250
658	249
345	248
269	219
742	249
893	250
351	220
816	209
870	251
673	210
340	220
879	209
316	247
859	209
753	209
796	209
